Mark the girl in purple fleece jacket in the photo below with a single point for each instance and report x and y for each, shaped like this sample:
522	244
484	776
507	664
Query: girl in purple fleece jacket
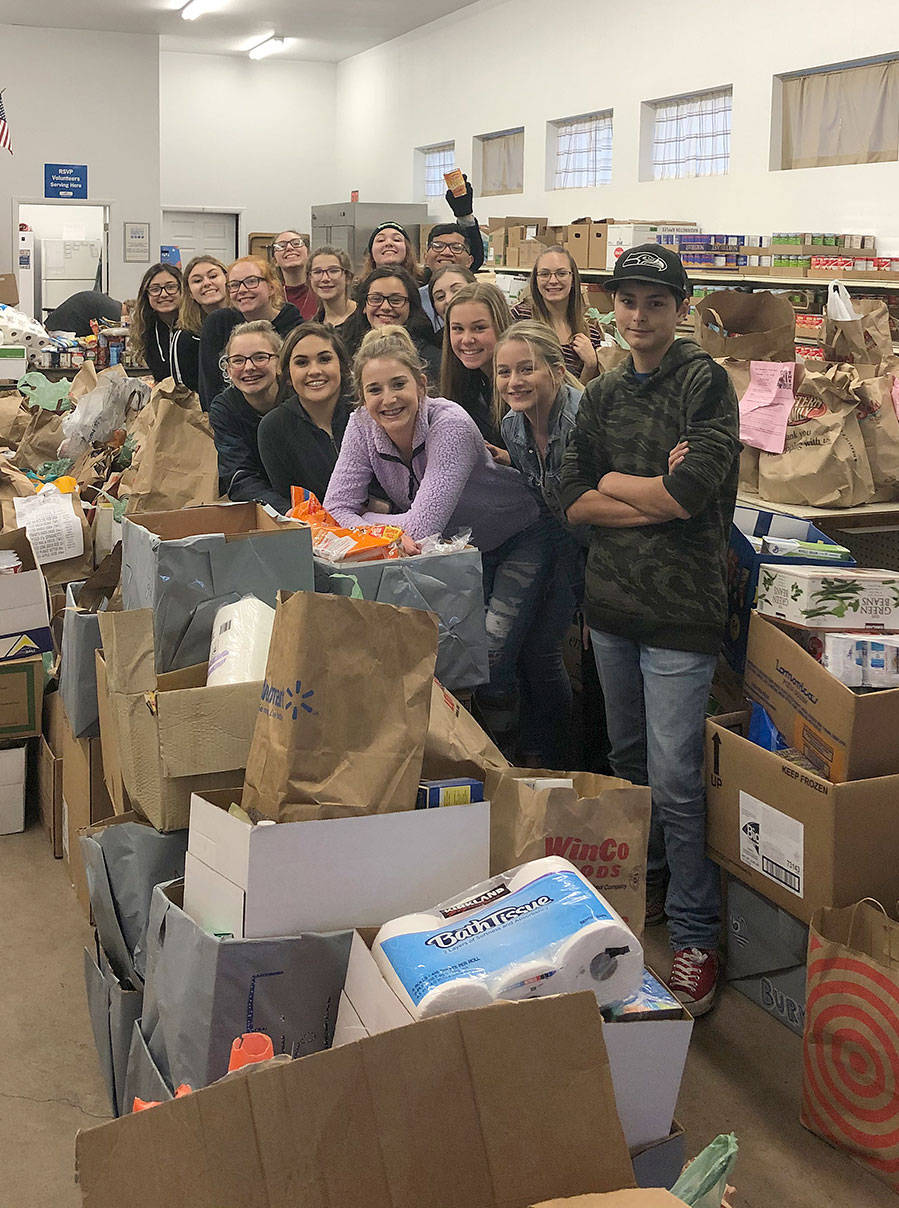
432	462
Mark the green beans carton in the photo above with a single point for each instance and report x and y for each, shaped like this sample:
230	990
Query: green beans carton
830	598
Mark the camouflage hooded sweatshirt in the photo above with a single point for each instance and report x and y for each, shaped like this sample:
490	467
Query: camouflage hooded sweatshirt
660	584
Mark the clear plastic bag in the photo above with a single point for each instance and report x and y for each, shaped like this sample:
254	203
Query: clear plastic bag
436	544
100	413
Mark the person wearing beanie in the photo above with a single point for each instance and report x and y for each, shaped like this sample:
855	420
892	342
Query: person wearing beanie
652	466
389	245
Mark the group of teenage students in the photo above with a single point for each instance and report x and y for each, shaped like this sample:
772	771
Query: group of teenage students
421	395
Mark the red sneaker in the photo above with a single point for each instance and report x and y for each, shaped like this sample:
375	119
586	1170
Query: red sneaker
694	978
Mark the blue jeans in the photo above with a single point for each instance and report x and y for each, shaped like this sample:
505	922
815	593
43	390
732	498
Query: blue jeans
655	702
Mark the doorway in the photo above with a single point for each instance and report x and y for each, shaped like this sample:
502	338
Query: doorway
194	232
62	253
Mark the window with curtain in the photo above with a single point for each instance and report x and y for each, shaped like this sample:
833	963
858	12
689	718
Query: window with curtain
583	151
846	116
502	162
691	135
438	159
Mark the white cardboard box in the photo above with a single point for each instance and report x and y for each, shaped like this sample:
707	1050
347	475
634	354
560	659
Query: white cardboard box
257	881
621	236
12	790
24	609
646	1057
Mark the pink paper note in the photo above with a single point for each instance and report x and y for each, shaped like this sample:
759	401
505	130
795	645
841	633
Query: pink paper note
766	405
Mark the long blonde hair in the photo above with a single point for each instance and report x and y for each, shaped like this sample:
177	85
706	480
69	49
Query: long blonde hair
455	379
388	341
267	272
544	346
191	314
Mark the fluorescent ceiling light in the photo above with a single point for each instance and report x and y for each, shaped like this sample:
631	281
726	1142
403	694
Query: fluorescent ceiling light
268	47
199	8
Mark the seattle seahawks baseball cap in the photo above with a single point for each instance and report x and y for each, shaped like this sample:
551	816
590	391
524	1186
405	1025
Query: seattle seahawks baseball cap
651	262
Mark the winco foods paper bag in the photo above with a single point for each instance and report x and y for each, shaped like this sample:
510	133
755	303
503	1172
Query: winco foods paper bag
748	327
344	711
876	411
824	462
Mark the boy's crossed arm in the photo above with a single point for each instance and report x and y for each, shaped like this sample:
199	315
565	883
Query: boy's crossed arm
629	500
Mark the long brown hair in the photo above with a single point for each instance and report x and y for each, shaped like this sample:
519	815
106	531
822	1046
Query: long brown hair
313	328
455	379
191	314
345	263
276	267
144	316
409	262
576	311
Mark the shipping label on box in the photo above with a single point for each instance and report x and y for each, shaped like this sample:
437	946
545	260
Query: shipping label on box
772	843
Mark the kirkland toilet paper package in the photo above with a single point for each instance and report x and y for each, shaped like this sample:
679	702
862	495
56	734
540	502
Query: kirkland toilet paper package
538	929
241	633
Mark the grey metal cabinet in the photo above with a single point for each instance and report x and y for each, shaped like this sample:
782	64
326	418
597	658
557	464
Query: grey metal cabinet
349	225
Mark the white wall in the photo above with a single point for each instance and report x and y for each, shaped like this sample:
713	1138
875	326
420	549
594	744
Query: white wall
251	136
522	63
79	97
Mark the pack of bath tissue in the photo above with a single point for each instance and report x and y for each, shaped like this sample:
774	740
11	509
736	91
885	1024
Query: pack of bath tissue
241	634
538	929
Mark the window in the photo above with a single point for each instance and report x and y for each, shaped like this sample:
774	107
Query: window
437	160
691	135
583	151
844	115
501	160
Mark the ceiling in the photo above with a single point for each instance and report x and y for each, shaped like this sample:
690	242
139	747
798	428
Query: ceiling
327	31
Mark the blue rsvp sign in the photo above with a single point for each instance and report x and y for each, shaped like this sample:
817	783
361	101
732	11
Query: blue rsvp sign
65	180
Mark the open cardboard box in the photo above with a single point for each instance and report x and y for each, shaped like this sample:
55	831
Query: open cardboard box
169	735
847	735
503	1107
797	839
330	874
24	603
646	1057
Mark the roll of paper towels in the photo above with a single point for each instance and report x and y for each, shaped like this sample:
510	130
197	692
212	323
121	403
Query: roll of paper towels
241	634
538	929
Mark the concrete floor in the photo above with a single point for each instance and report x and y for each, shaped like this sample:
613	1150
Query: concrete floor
742	1073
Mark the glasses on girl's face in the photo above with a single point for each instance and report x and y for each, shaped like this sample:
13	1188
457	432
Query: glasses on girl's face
258	359
561	274
156	291
288	243
234	287
394	301
326	272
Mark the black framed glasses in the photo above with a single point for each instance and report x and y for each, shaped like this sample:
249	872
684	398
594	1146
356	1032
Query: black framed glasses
234	287
258	359
156	291
394	301
318	273
456	248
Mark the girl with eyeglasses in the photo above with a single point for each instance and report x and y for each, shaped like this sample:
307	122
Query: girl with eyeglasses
555	299
205	292
250	365
291	253
255	294
330	276
431	461
153	324
389	297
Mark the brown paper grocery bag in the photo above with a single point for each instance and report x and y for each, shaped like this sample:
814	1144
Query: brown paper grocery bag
880	430
601	825
749	327
455	744
344	711
824	462
739	373
850	1047
14	417
865	340
41	439
176	464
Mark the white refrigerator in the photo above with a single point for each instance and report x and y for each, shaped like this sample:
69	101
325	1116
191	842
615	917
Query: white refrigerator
68	266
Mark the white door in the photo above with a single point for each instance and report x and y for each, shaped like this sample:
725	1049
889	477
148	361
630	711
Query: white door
194	233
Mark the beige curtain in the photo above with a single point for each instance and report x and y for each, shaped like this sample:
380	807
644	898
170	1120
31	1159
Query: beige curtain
584	152
849	116
502	163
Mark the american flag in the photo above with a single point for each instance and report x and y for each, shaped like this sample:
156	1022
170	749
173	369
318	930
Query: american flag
4	128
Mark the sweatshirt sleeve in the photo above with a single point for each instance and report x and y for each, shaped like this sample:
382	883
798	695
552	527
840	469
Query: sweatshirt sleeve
473	239
453	448
347	491
241	476
276	454
213	338
711	429
584	462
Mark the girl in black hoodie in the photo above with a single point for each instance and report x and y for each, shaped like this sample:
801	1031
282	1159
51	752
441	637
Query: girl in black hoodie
152	334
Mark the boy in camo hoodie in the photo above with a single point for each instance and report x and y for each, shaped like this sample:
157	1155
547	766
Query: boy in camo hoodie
652	465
